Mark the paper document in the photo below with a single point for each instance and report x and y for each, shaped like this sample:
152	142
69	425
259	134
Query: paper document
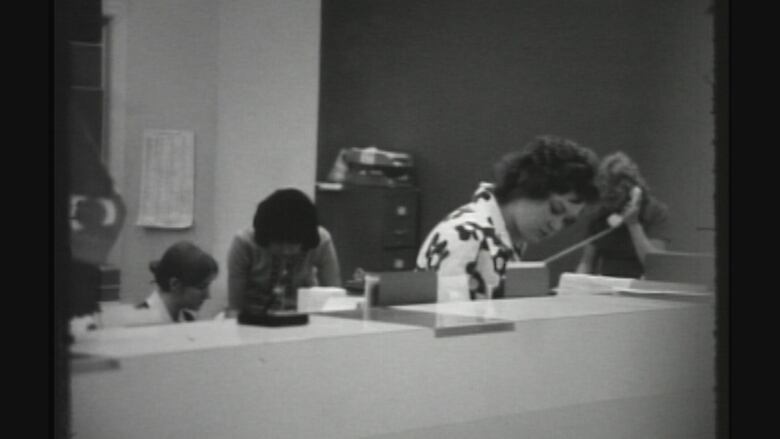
671	287
646	292
684	295
343	303
577	283
167	179
316	299
649	288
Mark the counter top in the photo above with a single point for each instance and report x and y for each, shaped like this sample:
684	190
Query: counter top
595	366
453	318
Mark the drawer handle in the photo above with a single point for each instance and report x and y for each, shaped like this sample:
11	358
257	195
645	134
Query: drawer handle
401	211
400	232
398	264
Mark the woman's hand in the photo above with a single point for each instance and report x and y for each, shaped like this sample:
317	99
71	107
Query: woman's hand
630	213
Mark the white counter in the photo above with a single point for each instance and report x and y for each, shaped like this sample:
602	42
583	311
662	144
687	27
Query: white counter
575	366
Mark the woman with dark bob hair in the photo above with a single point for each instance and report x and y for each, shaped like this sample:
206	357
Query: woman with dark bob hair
537	192
284	247
183	276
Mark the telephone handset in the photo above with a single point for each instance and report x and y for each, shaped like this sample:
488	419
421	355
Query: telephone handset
616	219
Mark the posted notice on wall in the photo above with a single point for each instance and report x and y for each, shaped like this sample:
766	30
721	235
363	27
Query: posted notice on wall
167	179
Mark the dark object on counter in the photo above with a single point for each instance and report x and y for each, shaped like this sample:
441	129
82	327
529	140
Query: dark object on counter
262	316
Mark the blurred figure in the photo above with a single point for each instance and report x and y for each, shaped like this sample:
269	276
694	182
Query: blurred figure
640	219
96	215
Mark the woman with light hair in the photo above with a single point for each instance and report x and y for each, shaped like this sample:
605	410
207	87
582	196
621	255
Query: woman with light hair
640	221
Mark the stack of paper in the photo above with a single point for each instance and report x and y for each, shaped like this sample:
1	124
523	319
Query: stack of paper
318	299
577	283
658	288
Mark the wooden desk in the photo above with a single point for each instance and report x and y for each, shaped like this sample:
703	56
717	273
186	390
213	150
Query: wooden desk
566	367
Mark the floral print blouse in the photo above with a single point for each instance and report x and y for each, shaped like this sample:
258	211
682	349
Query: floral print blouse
469	250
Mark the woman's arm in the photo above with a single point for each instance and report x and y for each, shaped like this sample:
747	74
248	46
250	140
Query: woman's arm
642	243
328	270
452	256
239	264
586	262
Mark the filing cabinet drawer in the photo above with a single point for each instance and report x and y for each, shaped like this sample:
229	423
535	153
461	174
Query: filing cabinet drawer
373	228
399	259
399	234
400	219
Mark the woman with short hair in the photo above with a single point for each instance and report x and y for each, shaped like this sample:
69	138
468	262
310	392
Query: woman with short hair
285	248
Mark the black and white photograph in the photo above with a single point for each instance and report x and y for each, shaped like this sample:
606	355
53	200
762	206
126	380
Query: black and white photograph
390	219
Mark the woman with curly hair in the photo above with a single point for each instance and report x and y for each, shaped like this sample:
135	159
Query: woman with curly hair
640	228
537	192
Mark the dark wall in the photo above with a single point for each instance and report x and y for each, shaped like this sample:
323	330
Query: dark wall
461	82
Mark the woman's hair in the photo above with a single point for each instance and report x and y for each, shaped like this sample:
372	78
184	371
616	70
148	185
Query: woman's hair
287	216
186	262
547	165
617	174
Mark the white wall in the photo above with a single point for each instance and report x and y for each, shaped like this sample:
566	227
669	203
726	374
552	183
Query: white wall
677	155
243	75
267	111
169	83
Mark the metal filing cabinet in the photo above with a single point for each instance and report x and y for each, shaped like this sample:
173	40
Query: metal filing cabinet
374	228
